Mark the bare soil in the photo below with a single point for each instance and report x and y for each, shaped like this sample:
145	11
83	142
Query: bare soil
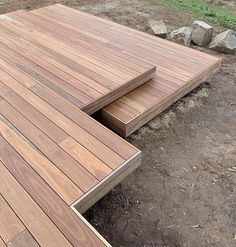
184	192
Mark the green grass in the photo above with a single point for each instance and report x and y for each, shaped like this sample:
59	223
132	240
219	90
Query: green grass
222	15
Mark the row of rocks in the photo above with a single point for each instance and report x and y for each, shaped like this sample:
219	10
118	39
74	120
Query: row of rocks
200	33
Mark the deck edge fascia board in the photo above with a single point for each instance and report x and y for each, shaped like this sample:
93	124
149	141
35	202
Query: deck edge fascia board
109	182
104	241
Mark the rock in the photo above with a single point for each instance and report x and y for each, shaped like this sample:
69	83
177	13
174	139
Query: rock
181	36
158	28
224	42
201	33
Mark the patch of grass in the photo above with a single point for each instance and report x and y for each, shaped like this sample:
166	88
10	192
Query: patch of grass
222	15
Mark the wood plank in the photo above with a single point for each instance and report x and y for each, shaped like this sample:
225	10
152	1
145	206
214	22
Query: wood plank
2	244
81	81
126	126
92	144
92	127
60	51
132	33
52	155
122	72
78	174
65	188
10	225
113	58
94	165
39	119
67	222
22	240
43	76
44	231
105	185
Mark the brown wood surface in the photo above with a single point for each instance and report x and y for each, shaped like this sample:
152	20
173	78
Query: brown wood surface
59	213
10	225
179	68
73	72
2	243
23	239
44	231
52	155
13	231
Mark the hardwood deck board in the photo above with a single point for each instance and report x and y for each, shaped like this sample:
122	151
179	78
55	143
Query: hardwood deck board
42	228
91	143
171	48
86	42
65	54
101	133
54	66
82	81
112	56
66	221
77	173
66	189
42	75
23	239
10	225
106	28
13	231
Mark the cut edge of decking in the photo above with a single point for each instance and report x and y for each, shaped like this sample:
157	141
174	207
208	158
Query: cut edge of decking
109	182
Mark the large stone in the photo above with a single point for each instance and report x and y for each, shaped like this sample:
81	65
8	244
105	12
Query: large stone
201	33
224	42
181	36
158	28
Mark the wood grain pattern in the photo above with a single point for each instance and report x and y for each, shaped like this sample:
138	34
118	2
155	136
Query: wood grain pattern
10	225
68	223
33	217
46	169
23	239
94	165
68	165
97	148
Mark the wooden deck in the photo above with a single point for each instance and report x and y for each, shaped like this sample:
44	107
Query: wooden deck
66	60
55	160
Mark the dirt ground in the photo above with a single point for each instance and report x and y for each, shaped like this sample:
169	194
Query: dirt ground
184	192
